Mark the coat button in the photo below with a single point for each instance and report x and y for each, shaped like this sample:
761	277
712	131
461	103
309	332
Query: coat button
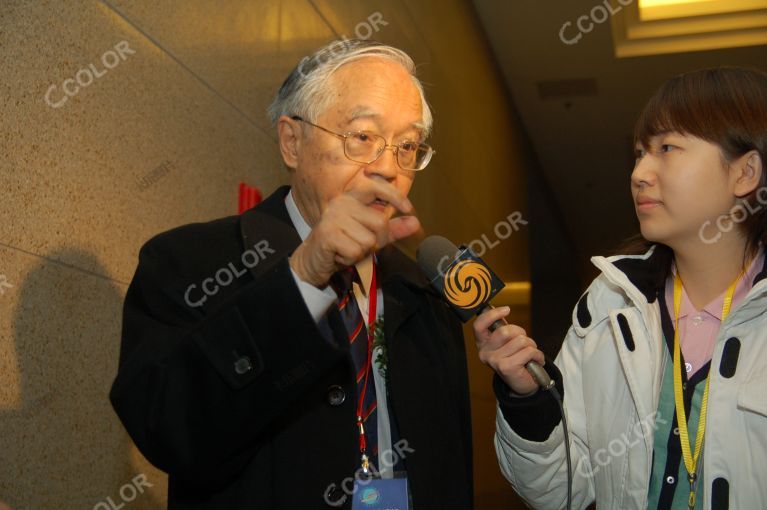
336	395
243	365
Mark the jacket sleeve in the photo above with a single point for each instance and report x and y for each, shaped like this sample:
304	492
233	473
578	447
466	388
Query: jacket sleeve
530	445
196	392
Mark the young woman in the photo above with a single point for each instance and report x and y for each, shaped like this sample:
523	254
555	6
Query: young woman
664	370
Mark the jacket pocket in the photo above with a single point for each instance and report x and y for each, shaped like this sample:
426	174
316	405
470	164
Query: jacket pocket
229	346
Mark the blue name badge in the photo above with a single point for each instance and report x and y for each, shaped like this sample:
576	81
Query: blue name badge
380	494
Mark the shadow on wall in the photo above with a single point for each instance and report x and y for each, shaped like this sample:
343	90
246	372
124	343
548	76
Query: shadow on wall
62	447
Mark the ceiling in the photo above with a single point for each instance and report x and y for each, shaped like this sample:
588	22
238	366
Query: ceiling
578	104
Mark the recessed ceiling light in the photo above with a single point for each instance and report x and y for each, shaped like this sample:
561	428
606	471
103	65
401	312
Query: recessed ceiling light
672	9
653	27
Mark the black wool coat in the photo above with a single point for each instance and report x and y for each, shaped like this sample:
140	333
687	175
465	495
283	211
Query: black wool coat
227	384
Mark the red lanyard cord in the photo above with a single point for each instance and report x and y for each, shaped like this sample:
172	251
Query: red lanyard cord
372	316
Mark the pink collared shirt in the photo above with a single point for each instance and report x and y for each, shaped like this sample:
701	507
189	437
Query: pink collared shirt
698	328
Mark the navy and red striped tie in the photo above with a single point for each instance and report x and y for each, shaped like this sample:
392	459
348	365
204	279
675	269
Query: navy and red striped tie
358	346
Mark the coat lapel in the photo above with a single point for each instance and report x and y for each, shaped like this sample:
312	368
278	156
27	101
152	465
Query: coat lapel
403	287
269	221
399	287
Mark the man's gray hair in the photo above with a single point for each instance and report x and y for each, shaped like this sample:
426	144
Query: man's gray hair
305	92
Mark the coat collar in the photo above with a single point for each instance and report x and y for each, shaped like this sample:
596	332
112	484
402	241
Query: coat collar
648	272
269	221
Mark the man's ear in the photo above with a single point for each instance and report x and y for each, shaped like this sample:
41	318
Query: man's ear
748	173
290	137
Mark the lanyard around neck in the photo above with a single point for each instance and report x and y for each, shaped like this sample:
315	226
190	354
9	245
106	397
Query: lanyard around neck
691	459
372	316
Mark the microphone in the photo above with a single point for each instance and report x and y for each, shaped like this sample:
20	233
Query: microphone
468	285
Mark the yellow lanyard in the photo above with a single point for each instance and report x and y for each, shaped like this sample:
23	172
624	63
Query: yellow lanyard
690	460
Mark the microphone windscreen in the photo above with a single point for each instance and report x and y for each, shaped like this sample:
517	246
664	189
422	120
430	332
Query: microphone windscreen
434	254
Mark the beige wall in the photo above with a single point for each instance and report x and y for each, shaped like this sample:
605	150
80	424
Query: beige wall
162	139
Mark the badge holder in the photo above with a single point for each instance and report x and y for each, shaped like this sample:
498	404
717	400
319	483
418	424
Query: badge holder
376	493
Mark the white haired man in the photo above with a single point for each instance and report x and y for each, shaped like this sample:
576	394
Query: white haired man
312	365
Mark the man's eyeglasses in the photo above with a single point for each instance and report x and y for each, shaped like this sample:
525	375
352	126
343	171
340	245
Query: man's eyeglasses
365	147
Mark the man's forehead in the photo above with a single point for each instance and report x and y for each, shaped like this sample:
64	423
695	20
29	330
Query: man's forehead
366	112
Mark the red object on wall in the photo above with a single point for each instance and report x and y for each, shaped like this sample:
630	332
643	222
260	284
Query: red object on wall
249	196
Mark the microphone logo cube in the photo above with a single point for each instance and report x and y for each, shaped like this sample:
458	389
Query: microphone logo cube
468	284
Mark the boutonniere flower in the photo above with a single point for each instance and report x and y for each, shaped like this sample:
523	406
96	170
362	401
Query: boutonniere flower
379	344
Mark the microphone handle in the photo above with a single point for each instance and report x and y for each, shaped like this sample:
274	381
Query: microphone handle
536	370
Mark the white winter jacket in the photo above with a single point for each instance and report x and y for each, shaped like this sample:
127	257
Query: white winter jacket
611	365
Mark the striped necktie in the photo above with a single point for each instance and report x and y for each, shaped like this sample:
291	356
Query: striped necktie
358	347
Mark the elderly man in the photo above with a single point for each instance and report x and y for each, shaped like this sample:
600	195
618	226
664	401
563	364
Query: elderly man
291	357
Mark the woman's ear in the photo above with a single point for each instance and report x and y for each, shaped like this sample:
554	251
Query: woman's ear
290	137
748	173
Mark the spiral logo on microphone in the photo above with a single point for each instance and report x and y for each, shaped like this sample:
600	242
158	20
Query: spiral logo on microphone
468	284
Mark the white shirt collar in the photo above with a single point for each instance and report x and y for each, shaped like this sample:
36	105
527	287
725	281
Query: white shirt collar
364	267
299	222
